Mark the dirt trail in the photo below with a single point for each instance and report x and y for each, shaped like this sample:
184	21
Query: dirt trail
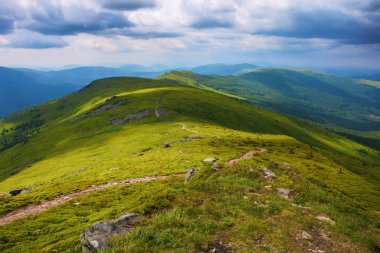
184	127
45	205
247	155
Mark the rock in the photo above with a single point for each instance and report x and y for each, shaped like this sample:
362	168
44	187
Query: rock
285	193
305	235
18	191
325	218
95	238
209	160
268	174
190	172
129	117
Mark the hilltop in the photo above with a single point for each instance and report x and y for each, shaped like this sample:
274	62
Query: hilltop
124	128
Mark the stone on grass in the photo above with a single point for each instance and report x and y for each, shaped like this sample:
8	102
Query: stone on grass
305	235
268	174
326	219
18	191
209	160
285	193
190	172
95	237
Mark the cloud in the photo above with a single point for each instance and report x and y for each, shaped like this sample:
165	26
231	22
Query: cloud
149	34
27	39
6	25
210	23
127	4
328	24
10	12
53	19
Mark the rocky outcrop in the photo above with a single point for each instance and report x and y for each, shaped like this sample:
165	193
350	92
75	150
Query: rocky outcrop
129	117
95	238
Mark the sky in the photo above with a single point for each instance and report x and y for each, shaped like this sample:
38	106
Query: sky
303	33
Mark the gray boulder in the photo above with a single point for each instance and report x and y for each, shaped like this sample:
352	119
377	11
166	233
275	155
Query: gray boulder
95	237
190	172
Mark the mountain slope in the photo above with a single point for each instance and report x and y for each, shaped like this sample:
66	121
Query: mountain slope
338	103
120	128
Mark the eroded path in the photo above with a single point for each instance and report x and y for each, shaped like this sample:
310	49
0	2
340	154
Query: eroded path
45	205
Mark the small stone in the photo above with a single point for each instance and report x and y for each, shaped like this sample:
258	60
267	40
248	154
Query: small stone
190	172
245	197
268	174
325	218
305	235
209	160
283	192
18	191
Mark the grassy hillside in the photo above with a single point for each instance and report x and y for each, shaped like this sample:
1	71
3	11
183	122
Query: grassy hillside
121	128
337	103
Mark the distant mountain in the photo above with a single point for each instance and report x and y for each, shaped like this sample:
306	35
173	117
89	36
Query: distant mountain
356	73
22	87
19	90
223	69
332	101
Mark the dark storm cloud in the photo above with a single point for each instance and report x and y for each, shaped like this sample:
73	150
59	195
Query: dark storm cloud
52	20
127	4
210	23
327	24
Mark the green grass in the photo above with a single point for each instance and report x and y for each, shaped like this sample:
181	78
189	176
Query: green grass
218	205
77	146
